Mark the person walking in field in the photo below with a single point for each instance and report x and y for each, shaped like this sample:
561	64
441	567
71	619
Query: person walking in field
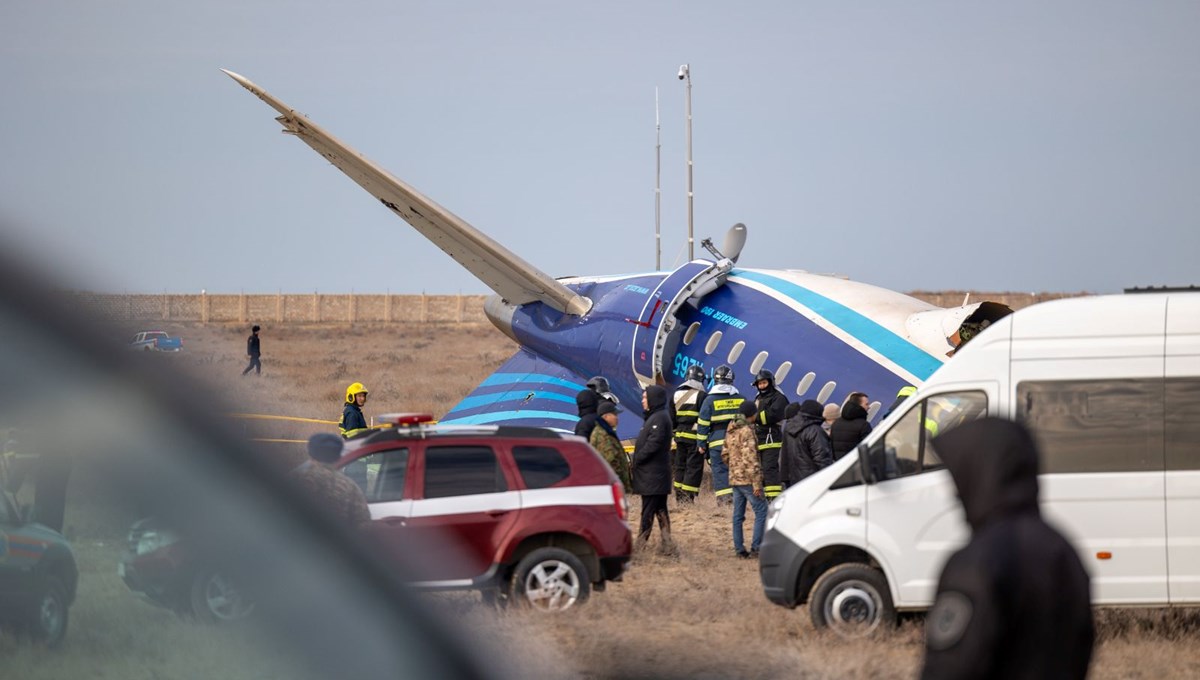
254	351
650	468
740	455
353	421
604	439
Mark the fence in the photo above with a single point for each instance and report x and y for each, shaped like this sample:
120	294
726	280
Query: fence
284	307
374	308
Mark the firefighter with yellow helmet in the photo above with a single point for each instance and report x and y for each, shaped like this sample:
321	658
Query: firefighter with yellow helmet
353	422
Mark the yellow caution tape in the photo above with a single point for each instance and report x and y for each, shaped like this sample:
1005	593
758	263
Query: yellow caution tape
259	416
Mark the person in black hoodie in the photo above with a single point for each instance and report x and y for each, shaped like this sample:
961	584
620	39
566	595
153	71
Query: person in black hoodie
1014	603
650	467
852	427
805	445
587	401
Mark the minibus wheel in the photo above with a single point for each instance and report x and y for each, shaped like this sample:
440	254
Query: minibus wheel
852	600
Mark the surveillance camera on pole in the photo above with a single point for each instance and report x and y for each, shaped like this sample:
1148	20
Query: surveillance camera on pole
685	73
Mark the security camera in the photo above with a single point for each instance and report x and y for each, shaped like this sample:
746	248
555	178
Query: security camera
683	71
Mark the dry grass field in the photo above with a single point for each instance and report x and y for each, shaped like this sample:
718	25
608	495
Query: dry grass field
700	613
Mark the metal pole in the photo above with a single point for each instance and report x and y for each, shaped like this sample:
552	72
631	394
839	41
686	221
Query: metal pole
685	73
657	187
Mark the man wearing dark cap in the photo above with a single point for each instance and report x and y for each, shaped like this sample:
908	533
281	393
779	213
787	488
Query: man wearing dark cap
253	350
806	447
1014	603
604	439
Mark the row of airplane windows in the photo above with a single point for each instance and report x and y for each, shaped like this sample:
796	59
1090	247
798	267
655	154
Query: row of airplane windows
760	359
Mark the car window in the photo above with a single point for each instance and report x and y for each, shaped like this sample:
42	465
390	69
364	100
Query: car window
541	466
906	448
462	471
380	475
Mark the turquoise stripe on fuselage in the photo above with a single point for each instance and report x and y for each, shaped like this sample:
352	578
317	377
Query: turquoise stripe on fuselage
895	348
484	418
530	378
487	399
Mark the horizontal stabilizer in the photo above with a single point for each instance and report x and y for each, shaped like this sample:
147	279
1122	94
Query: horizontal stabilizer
503	271
529	390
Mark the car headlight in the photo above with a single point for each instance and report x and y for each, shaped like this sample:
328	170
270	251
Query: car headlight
773	510
155	539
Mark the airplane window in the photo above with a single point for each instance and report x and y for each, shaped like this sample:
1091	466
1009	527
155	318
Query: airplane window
826	391
873	409
782	372
757	364
690	335
736	352
805	383
712	343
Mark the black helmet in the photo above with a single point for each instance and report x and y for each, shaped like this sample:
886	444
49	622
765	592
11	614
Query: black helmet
695	372
599	384
723	375
764	374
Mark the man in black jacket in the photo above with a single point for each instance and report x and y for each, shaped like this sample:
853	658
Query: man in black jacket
852	427
254	351
805	445
771	405
651	466
1014	603
689	462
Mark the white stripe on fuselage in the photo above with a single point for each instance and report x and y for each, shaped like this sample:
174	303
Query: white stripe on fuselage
833	329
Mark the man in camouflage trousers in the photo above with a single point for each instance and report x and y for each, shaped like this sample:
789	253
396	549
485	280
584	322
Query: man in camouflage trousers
740	454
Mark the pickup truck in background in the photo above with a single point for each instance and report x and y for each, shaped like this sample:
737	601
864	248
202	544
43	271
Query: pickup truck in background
157	341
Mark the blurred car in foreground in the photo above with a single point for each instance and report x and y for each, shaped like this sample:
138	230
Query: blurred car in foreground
536	515
156	341
38	575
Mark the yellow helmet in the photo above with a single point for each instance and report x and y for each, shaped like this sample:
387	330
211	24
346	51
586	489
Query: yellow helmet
353	389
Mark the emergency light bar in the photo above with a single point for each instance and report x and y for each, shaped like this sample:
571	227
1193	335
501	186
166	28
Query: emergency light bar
406	419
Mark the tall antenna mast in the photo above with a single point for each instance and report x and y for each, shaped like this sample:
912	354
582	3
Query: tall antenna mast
685	73
657	187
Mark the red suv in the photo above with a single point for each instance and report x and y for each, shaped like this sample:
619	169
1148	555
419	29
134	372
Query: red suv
529	513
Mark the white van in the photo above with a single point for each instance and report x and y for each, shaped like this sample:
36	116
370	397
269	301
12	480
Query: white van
1109	386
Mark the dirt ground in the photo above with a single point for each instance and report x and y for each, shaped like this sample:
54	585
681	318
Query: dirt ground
698	613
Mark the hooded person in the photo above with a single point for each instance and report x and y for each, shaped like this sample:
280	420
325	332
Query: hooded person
1015	601
587	401
353	421
650	467
806	447
606	442
831	413
852	427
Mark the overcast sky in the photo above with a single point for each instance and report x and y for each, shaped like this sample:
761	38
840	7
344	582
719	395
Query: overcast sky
1025	146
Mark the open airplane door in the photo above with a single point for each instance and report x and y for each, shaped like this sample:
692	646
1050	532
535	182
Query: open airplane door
657	322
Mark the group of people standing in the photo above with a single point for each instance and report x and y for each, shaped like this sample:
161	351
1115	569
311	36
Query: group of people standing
755	448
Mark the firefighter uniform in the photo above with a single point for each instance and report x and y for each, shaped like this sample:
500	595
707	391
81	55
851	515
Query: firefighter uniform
689	462
768	429
720	407
353	421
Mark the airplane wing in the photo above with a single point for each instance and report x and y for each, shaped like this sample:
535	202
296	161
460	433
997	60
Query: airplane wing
503	271
530	390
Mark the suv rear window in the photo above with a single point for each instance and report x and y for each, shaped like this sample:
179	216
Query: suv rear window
541	466
462	471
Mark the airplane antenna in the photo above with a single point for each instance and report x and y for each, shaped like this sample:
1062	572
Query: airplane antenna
708	245
657	187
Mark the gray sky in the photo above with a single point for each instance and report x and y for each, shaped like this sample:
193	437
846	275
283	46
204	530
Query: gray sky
1027	146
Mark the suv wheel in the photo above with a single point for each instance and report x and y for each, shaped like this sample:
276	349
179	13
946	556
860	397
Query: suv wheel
217	599
47	620
852	600
551	579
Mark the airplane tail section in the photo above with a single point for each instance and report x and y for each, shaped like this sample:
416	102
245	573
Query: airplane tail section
530	390
503	271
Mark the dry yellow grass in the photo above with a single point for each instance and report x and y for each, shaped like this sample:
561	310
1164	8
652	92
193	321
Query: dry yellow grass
700	613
